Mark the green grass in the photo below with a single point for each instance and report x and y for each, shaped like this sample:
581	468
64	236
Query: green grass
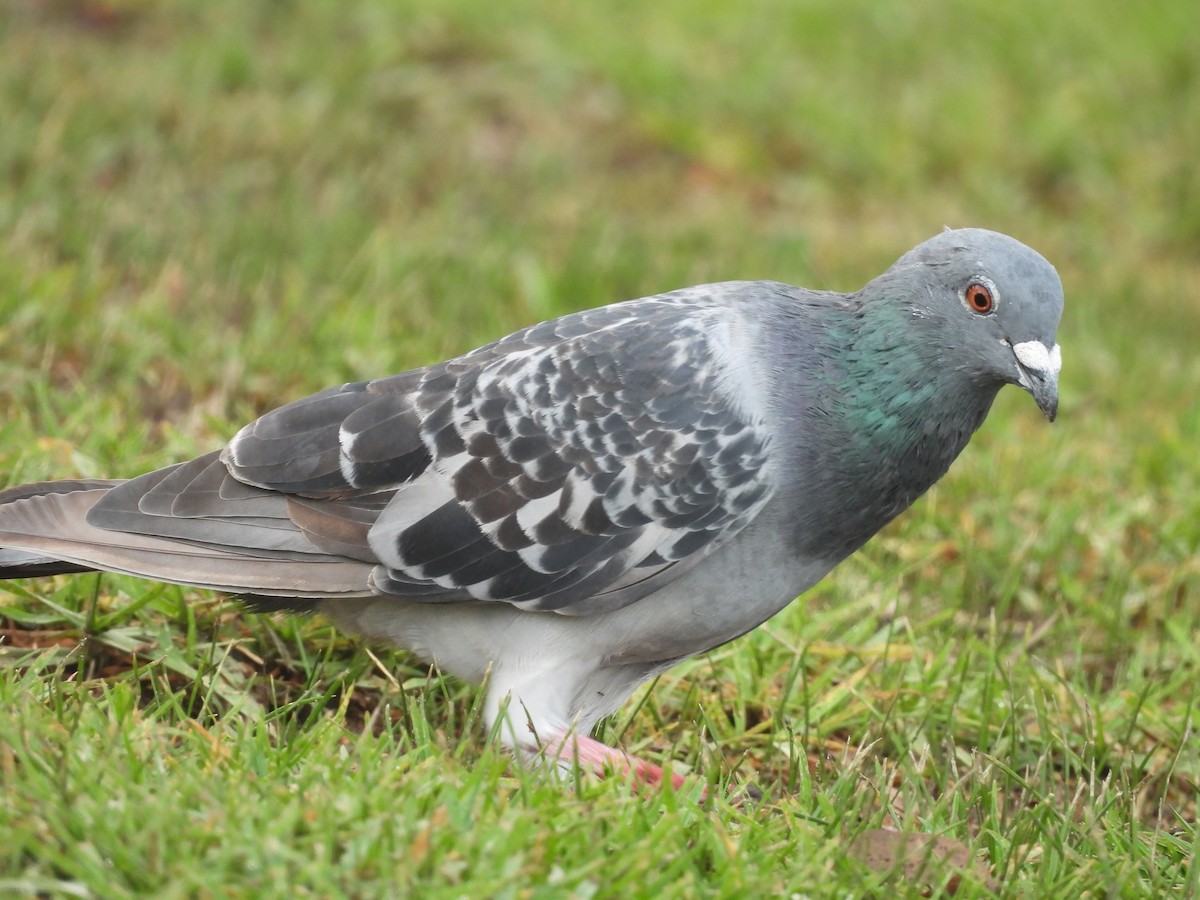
207	209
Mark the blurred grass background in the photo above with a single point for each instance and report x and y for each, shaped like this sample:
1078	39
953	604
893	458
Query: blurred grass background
208	209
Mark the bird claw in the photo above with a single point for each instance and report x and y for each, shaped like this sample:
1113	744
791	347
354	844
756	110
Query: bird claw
590	755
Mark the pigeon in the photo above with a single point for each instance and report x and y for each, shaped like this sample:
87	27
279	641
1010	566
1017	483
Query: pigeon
573	509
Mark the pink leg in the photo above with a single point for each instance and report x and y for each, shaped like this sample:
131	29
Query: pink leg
591	755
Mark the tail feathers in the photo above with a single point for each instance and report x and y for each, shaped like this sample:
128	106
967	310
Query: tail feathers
44	530
41	488
27	564
23	564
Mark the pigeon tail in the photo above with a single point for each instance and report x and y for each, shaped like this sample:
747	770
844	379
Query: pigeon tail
24	564
45	532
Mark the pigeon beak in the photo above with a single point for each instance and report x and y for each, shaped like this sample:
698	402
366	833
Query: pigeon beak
1037	372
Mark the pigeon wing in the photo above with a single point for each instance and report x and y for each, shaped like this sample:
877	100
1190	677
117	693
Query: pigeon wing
559	468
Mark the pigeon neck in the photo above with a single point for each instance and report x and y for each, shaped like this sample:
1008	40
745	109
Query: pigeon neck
900	392
883	415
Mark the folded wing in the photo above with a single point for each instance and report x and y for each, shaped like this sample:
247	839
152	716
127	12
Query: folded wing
573	466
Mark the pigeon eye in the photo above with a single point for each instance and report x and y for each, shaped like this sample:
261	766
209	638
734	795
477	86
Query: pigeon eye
979	298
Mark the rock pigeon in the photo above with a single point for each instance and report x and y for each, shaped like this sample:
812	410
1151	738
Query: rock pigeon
578	506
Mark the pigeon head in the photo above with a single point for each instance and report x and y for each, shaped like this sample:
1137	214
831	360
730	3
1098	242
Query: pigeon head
995	305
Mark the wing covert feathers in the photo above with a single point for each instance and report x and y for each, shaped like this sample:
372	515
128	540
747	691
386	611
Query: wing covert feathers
573	466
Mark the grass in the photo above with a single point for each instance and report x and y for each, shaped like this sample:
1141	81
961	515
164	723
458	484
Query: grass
209	209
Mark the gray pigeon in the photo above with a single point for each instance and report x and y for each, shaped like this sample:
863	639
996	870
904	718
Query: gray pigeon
578	506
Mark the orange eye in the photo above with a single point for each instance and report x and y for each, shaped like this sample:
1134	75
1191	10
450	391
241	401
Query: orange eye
979	298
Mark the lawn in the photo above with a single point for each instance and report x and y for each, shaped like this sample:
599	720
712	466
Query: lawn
210	208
